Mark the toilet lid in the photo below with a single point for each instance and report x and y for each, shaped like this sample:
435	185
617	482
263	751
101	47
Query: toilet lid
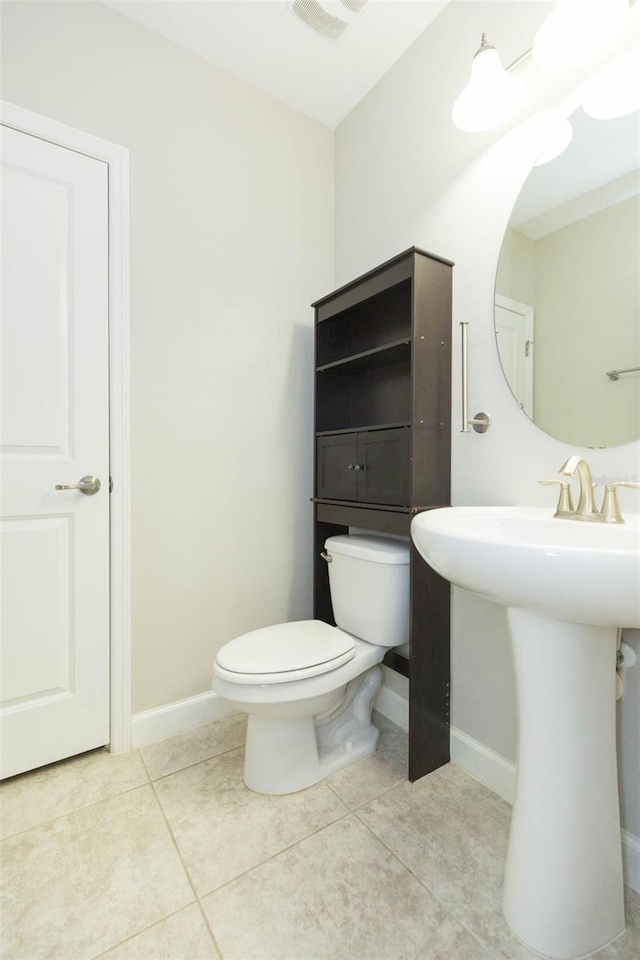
287	651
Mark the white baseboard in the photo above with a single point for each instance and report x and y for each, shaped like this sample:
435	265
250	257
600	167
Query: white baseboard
631	859
487	766
149	726
495	771
392	706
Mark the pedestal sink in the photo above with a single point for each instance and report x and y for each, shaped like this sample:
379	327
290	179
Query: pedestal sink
567	586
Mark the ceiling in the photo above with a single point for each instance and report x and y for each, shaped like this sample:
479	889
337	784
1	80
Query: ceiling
262	42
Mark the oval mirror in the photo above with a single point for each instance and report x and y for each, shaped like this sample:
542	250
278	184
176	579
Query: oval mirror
567	304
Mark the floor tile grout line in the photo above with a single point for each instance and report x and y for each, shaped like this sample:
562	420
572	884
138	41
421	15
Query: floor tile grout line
485	946
334	791
209	926
199	897
196	763
273	856
147	783
120	943
364	803
173	838
184	867
71	813
347	813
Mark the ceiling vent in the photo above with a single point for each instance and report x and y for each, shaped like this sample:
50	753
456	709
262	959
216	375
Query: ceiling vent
354	6
322	15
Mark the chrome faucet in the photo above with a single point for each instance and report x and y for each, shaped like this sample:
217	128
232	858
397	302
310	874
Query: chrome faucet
586	509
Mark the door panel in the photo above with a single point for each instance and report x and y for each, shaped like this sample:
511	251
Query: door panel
384	477
35	368
337	480
53	430
36	661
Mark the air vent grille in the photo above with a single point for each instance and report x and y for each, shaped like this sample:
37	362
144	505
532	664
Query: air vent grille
355	6
314	14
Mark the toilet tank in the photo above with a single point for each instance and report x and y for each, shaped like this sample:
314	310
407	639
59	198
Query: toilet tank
369	582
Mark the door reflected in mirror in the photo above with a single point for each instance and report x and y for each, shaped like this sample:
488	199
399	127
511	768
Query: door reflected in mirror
567	306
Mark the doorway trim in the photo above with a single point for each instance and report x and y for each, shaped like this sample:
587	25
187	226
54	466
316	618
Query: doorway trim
117	160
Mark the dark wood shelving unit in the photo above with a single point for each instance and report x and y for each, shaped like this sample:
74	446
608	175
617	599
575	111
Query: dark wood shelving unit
383	453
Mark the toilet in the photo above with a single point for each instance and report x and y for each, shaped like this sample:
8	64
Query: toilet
307	686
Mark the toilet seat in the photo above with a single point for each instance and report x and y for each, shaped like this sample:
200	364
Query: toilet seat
284	652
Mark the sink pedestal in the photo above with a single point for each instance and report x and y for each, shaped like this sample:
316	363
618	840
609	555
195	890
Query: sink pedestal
563	882
563	890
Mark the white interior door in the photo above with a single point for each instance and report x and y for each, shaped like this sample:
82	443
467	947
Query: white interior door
54	430
514	331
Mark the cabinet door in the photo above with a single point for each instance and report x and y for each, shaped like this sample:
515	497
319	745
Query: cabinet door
383	456
336	457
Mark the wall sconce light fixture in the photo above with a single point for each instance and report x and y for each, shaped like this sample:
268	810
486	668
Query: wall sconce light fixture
574	33
491	96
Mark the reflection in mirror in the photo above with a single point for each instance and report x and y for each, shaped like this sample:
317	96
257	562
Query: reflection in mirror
568	287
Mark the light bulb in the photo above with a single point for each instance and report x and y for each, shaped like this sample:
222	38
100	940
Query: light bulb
615	90
491	96
576	31
556	144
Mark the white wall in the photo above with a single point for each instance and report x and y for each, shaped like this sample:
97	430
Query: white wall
405	175
232	238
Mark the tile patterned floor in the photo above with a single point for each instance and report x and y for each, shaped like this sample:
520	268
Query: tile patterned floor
163	854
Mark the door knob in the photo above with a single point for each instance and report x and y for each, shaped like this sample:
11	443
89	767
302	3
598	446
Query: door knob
87	485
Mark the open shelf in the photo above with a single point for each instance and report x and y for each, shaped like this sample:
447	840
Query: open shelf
367	428
362	506
380	321
357	398
371	359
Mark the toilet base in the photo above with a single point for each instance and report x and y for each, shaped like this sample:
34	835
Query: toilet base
284	756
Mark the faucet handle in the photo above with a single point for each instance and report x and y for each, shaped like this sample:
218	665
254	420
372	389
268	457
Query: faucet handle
610	508
565	503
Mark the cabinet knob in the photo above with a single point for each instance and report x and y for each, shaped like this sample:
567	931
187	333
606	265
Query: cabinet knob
354	466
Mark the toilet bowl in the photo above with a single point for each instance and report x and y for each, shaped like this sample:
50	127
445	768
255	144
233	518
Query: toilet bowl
308	687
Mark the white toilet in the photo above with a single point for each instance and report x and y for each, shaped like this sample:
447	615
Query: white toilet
307	686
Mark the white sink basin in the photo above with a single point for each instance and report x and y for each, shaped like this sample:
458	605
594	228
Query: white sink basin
524	557
567	585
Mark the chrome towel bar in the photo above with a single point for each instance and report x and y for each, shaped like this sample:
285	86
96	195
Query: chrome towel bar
482	421
616	374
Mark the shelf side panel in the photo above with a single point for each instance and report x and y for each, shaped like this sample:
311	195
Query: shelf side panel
431	375
429	669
